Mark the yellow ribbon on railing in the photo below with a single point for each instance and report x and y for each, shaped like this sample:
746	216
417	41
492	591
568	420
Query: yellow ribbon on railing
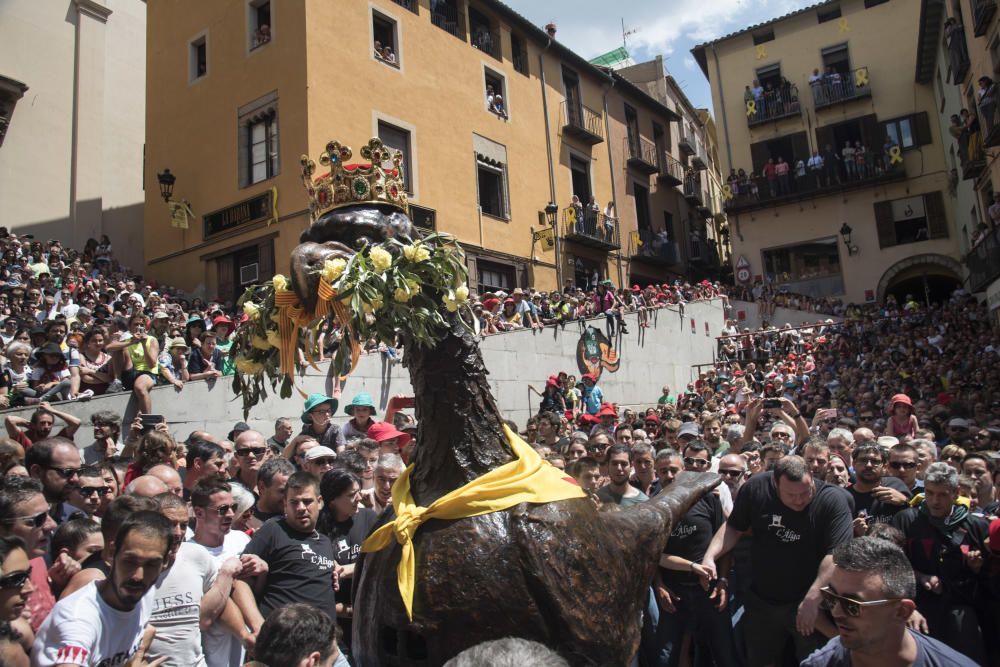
895	155
751	107
527	479
861	77
727	192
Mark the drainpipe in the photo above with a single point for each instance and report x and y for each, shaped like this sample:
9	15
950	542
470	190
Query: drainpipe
722	103
611	168
552	174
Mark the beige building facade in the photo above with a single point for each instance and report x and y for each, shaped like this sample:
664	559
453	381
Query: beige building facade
72	91
836	177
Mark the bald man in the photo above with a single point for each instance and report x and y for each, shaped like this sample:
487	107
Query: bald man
251	451
169	476
733	469
146	486
863	435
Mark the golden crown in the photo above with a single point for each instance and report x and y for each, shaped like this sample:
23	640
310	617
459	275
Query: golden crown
348	184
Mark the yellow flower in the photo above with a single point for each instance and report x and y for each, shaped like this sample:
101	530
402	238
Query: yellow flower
273	338
422	254
377	303
260	343
410	251
333	269
280	282
248	366
401	295
462	293
251	310
381	259
450	301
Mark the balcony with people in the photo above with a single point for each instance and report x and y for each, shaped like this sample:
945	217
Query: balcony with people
485	34
692	188
588	225
833	86
641	154
771	101
983	260
671	170
582	123
654	246
968	129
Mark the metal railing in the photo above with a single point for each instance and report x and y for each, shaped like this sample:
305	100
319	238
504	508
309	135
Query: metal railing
486	41
642	149
448	24
593	224
984	261
408	4
656	245
989	118
686	143
773	104
692	187
836	87
670	168
580	117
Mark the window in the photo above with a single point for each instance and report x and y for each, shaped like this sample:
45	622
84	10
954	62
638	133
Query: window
580	175
398	139
519	54
908	131
668	225
496	93
769	76
838	58
492	180
587	273
494	277
874	3
808	268
408	4
260	23
995	53
385	39
763	36
911	220
632	128
425	218
642	220
258	134
198	58
824	14
484	35
446	15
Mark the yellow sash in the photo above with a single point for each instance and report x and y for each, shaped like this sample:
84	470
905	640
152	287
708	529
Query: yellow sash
527	479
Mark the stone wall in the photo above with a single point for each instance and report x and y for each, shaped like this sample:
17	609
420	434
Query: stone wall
650	358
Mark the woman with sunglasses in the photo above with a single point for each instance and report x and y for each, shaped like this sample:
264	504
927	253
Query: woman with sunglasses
15	587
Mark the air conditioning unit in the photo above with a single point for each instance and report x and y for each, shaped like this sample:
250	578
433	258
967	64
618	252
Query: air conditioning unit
249	273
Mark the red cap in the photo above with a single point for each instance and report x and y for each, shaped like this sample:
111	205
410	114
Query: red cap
651	418
382	431
636	288
553	381
589	376
607	411
589	419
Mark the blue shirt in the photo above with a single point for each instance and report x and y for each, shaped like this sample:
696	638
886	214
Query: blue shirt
930	653
592	400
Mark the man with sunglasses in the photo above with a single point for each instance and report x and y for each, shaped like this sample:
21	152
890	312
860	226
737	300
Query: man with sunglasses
903	465
251	451
870	597
24	512
91	490
55	462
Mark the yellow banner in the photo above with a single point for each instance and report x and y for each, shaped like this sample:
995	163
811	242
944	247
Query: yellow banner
180	214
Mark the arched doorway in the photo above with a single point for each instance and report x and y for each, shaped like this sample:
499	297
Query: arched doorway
927	277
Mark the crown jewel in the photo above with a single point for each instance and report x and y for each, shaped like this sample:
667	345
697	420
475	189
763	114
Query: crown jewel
359	183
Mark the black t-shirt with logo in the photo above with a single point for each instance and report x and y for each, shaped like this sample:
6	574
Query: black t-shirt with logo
300	567
691	536
878	511
788	546
347	537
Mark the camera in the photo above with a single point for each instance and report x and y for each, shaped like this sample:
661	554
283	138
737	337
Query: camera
770	403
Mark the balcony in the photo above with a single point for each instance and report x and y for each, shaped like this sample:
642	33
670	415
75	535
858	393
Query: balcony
699	161
583	123
756	193
841	88
989	121
702	252
984	261
407	4
973	158
449	18
687	144
484	36
692	189
671	171
773	105
590	228
982	12
655	248
642	155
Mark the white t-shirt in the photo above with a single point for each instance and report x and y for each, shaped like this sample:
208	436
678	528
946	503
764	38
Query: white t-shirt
177	607
222	649
83	630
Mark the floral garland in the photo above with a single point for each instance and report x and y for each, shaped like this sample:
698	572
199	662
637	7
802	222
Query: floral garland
383	288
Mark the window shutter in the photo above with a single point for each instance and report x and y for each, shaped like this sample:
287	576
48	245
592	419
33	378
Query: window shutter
226	266
937	220
759	155
885	225
872	132
800	148
921	128
824	136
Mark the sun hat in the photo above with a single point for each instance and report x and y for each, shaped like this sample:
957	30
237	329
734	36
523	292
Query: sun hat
319	451
49	348
382	431
177	342
318	399
363	400
900	398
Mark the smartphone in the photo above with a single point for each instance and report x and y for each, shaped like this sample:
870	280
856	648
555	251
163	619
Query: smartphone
149	421
770	403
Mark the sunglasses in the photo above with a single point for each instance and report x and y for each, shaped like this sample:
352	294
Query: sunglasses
867	462
87	491
698	463
866	418
902	465
953	457
222	510
324	461
36	520
247	451
15	580
732	473
65	473
852	608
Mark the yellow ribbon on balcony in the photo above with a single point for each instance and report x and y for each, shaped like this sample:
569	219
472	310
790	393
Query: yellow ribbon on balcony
761	52
751	107
727	192
895	155
861	77
527	479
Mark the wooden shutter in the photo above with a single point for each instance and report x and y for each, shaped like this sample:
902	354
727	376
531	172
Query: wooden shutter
824	136
226	267
759	155
885	225
921	128
872	133
800	148
265	257
937	220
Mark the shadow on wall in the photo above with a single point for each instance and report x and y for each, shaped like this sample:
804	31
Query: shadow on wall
123	225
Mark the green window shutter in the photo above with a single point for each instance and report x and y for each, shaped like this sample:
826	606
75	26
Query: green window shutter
885	225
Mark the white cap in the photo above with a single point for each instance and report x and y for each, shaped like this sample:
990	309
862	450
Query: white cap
320	452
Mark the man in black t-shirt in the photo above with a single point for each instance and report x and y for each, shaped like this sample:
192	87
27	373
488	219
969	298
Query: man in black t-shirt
796	522
876	498
301	564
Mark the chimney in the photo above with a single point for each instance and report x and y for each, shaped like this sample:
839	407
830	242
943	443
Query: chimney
550	28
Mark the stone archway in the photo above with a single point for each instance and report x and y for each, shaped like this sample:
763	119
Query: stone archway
925	264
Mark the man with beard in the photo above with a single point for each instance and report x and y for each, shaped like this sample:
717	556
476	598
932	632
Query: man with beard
55	462
40	425
876	498
619	491
103	622
185	597
870	596
24	513
271	481
204	459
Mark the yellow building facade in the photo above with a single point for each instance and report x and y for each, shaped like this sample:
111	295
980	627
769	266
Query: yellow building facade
499	124
867	223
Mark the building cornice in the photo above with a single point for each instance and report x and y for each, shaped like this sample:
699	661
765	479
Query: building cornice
93	9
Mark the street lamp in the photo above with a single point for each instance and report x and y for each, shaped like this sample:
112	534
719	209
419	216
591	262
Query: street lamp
845	233
550	212
166	180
